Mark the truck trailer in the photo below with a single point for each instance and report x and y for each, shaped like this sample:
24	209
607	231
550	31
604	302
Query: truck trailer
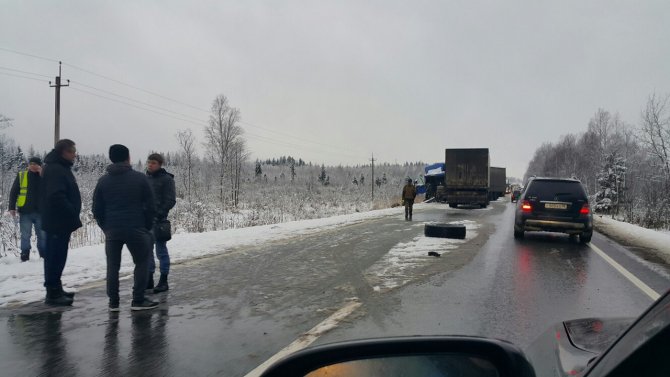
498	183
467	176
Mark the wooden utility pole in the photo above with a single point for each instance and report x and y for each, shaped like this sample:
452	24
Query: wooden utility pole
373	177
58	86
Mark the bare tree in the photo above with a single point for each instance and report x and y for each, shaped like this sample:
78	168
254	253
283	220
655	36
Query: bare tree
221	134
238	156
186	142
655	132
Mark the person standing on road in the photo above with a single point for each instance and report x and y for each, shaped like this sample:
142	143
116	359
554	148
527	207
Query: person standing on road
24	198
408	196
123	207
60	205
163	187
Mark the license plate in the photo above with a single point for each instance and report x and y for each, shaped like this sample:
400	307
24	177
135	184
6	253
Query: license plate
555	206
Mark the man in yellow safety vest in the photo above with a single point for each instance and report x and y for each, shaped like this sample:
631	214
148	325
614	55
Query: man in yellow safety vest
24	198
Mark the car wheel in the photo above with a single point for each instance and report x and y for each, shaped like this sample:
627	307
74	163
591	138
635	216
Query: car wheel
445	231
518	234
585	237
452	205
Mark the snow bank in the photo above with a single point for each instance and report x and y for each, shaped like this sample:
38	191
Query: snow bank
658	242
22	282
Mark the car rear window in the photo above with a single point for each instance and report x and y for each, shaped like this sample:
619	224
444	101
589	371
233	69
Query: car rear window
561	191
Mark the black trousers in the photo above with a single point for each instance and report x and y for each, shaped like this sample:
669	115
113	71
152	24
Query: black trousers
408	207
139	243
55	258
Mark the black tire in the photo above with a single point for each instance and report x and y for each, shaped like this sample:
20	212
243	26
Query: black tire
518	234
445	231
453	205
585	237
484	205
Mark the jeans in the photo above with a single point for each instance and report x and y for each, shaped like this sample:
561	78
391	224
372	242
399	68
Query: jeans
26	222
163	258
55	257
138	242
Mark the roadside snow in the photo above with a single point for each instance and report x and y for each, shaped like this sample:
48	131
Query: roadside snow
658	242
21	283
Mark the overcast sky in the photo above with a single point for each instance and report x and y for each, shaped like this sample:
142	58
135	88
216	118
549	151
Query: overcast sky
333	81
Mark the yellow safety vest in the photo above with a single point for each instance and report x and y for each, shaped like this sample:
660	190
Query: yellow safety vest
23	189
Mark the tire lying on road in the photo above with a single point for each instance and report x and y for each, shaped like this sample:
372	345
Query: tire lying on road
445	231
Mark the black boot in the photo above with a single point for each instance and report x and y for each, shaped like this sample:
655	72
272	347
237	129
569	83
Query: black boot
162	284
25	256
66	293
55	297
150	282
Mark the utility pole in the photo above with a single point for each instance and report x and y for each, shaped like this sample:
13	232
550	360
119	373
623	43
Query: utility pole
373	177
58	86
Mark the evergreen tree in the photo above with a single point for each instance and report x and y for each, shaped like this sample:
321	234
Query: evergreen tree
292	170
322	176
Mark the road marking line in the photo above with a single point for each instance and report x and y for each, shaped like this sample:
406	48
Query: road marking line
633	279
307	338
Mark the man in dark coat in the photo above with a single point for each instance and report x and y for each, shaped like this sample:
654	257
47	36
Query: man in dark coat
408	196
60	206
123	206
163	187
24	198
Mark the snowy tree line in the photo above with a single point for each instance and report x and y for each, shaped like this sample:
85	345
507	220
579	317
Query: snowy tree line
219	188
625	167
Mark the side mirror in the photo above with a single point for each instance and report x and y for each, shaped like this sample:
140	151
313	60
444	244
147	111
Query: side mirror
407	356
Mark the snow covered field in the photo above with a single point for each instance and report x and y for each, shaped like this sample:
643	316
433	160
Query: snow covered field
21	283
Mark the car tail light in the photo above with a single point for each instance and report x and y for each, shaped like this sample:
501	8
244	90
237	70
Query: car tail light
585	210
526	207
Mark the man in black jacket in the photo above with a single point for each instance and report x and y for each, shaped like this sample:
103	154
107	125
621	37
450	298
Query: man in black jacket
163	187
123	206
60	206
24	197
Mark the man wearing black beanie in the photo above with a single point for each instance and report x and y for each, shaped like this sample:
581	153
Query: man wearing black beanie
123	206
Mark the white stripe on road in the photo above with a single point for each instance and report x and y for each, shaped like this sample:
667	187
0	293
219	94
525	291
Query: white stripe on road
307	338
633	279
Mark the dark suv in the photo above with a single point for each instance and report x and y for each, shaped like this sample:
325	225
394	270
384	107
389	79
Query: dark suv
554	205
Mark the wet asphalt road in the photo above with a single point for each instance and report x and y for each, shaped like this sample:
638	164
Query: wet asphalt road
227	314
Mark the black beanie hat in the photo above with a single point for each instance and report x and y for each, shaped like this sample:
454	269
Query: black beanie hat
35	160
118	153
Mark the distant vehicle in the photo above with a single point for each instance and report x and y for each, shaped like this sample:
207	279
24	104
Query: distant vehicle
467	177
554	205
516	193
434	181
498	186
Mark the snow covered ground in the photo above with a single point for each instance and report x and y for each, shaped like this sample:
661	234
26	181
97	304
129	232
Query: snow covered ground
394	269
21	283
657	242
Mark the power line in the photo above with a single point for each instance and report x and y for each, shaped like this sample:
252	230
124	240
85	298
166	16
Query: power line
23	77
135	100
154	94
26	72
202	123
135	87
27	54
